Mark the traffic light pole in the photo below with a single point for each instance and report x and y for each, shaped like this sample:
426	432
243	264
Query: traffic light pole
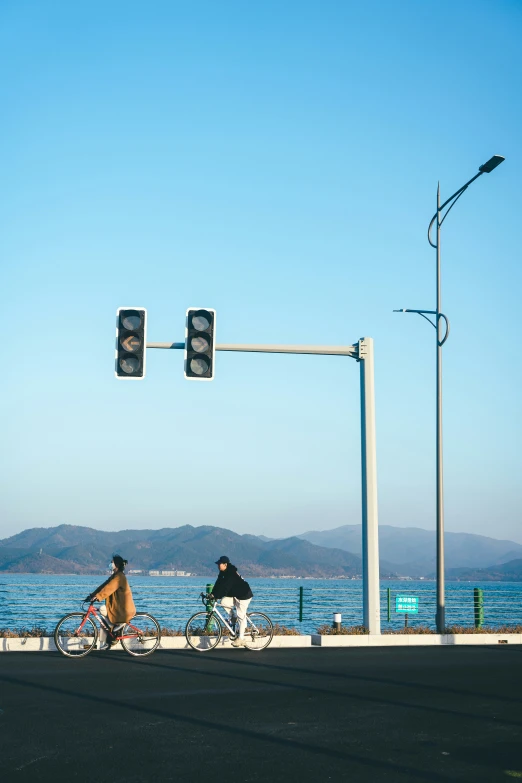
370	521
323	350
362	352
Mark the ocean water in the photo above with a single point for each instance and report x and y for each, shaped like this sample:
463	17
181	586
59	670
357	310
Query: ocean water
29	600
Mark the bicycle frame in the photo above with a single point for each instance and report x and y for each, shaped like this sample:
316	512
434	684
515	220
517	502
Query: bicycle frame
213	610
95	614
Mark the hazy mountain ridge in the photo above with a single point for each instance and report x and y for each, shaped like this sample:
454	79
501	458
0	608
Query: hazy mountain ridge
404	552
411	551
71	549
506	572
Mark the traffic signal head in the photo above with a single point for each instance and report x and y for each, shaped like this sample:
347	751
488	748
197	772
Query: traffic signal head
131	342
200	344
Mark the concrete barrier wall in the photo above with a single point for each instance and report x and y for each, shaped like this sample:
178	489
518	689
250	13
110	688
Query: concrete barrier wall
414	640
46	644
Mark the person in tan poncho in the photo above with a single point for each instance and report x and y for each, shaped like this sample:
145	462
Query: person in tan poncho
119	605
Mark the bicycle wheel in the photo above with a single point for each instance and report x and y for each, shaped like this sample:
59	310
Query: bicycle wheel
259	631
72	641
203	631
141	636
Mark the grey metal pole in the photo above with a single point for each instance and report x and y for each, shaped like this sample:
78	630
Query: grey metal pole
370	524
322	350
486	168
440	618
363	352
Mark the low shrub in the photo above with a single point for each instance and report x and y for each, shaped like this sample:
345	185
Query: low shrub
344	630
499	629
455	629
279	630
24	633
284	630
410	630
326	630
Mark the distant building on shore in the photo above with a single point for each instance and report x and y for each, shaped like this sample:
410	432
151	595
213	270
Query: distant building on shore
169	573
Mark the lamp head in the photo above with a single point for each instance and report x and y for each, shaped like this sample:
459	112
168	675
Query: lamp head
491	164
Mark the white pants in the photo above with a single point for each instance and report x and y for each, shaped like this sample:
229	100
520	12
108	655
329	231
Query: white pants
103	632
241	608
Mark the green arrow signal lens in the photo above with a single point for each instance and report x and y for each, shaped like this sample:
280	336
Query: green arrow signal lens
131	343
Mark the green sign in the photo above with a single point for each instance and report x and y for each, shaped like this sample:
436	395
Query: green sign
407	603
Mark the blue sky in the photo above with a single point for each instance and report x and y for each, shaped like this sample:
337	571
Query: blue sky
278	162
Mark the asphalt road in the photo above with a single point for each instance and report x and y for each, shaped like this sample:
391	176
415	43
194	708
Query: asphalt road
404	714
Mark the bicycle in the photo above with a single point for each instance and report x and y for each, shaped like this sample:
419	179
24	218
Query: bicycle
204	630
76	634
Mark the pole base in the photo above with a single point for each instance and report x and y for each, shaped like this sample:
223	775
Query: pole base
440	619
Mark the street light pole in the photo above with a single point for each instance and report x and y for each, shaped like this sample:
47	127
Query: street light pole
440	619
486	168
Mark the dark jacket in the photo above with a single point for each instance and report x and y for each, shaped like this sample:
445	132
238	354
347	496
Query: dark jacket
230	584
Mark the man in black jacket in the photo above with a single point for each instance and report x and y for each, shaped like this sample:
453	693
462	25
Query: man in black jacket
234	592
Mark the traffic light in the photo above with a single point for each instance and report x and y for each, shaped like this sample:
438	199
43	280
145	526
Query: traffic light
131	343
200	344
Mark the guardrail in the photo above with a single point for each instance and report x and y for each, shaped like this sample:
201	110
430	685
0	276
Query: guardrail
302	607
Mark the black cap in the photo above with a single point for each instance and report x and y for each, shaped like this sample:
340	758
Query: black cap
222	559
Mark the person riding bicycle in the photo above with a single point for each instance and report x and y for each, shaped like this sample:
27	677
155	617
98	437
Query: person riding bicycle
234	592
119	605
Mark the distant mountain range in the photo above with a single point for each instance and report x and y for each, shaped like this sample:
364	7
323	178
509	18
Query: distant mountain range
328	553
507	572
71	549
410	551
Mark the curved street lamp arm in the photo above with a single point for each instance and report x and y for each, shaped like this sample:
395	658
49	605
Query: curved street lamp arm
441	342
428	319
460	190
429	230
458	193
425	314
452	205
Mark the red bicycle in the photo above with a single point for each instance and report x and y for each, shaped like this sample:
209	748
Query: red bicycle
76	634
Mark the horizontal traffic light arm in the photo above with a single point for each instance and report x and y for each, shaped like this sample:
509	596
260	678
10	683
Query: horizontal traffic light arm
324	350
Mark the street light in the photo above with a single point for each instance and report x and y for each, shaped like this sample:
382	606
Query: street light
486	168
